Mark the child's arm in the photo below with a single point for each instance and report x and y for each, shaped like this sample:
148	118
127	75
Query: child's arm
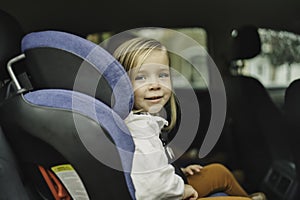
189	193
152	176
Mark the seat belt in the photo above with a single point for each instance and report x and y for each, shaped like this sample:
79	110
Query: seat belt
56	187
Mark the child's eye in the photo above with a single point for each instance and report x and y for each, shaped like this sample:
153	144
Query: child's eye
139	78
164	75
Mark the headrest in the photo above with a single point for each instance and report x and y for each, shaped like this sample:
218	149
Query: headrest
59	60
292	99
246	43
10	41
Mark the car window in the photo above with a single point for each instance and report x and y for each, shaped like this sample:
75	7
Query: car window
279	61
190	64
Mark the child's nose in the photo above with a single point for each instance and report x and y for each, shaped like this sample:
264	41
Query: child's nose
154	85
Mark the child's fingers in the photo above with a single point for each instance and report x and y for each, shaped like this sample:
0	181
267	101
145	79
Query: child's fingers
189	171
196	168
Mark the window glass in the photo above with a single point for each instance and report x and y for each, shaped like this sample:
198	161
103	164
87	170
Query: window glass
279	62
187	66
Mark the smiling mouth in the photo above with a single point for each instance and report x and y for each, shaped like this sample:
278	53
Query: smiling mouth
154	98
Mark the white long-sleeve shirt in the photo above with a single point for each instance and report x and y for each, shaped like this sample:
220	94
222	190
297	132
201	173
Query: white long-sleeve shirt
152	176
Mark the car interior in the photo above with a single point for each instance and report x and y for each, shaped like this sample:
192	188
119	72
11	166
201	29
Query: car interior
64	98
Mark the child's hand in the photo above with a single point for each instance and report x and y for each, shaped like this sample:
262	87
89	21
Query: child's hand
191	169
189	193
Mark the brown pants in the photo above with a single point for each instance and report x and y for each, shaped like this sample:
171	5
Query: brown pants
217	178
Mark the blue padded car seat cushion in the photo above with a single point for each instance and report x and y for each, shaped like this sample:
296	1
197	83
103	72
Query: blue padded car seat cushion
98	57
86	105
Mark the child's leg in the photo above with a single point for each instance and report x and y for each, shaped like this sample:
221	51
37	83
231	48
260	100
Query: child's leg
216	178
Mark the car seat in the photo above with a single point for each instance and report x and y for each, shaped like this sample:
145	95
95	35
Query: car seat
61	120
11	33
257	125
291	105
73	115
292	114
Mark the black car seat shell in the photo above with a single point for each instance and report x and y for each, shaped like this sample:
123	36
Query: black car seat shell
67	124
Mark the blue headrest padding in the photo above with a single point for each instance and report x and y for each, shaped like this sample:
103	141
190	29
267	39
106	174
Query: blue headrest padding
96	110
104	62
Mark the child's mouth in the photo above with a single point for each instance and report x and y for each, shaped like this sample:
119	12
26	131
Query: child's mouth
153	98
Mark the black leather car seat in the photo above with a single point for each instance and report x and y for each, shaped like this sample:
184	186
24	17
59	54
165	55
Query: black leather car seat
257	125
72	115
11	186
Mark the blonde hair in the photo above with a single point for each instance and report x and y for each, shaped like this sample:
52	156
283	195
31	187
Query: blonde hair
133	53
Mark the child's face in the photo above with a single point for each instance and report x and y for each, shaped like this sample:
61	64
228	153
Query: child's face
152	83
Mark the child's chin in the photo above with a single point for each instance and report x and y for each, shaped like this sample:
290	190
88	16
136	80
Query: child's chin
156	108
